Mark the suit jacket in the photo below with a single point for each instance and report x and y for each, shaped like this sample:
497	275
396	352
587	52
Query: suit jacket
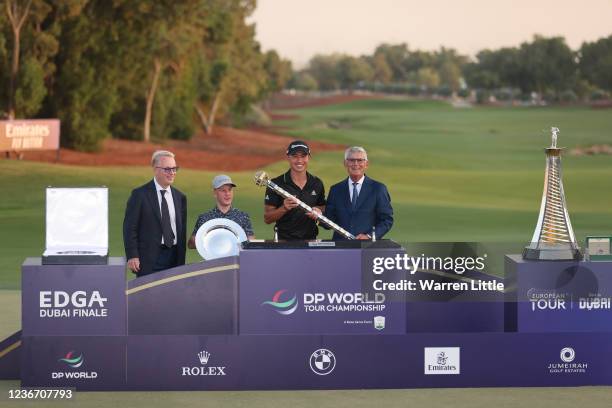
142	231
373	208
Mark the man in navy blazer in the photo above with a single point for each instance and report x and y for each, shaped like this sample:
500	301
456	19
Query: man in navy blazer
359	203
155	220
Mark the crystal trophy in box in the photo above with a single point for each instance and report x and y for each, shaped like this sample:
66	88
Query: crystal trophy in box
76	226
599	248
553	238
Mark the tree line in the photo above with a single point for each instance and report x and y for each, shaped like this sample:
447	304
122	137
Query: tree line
141	69
543	67
134	69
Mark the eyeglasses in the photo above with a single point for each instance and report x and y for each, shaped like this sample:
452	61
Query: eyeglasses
357	161
168	170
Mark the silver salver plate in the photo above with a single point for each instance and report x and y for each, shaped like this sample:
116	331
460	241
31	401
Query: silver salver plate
219	238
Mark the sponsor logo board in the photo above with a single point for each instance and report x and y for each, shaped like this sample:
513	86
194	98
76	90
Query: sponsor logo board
73	361
567	363
442	360
34	134
322	361
286	303
203	357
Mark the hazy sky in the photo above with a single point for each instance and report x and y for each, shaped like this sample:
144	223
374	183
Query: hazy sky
299	29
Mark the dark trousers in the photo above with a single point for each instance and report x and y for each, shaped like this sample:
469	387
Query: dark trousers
167	258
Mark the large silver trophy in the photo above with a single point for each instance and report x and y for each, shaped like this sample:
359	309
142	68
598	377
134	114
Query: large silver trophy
262	179
553	238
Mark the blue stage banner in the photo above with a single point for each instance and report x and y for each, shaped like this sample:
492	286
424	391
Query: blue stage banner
269	362
346	361
61	300
319	291
194	299
557	296
81	362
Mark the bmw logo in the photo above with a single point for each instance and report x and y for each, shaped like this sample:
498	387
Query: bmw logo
322	362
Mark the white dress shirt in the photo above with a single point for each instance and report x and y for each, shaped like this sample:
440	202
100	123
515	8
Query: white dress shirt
359	184
170	202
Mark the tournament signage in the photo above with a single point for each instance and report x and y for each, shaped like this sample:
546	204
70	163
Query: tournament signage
203	368
562	296
314	291
568	364
73	360
319	326
79	303
442	360
54	302
322	362
33	134
84	362
191	362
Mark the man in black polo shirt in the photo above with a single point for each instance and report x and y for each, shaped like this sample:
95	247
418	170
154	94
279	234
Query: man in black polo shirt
293	222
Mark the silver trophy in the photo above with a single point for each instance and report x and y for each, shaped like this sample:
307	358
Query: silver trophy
218	238
553	238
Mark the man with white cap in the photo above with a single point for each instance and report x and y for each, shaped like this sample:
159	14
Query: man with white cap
223	190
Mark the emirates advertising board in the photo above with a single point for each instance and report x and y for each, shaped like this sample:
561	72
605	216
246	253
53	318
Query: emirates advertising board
31	134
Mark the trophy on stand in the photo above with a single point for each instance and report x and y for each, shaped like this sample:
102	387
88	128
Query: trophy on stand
553	238
76	226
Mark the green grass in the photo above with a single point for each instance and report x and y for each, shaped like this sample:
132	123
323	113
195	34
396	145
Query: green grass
567	397
453	174
470	173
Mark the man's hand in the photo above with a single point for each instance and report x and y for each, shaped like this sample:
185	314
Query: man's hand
314	214
362	236
134	264
290	203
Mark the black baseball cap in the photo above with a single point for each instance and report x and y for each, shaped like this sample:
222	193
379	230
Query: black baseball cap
298	146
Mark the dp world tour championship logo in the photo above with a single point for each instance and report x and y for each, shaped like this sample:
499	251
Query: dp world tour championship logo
282	306
74	362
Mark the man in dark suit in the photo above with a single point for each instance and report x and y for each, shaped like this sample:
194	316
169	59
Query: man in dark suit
155	219
359	203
